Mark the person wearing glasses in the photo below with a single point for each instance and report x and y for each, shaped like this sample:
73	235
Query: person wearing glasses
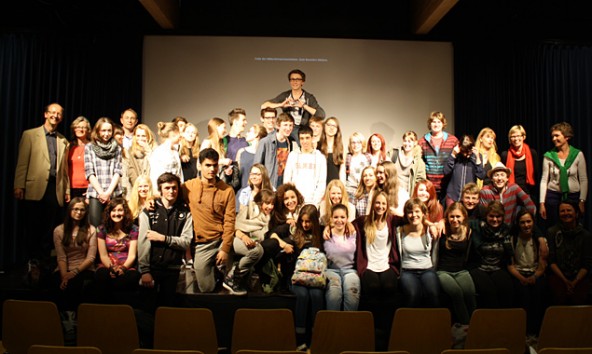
41	181
75	243
331	145
297	102
269	119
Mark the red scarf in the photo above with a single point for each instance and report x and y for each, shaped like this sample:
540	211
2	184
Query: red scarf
513	155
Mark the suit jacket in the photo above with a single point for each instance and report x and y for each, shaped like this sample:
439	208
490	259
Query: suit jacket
33	165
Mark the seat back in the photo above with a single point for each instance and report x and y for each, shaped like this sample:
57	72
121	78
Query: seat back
387	352
185	329
109	327
165	351
60	349
279	332
497	328
253	351
25	323
477	351
565	351
409	323
566	327
338	331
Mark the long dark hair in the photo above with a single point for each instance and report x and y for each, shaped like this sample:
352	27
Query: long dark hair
279	210
299	234
128	218
70	224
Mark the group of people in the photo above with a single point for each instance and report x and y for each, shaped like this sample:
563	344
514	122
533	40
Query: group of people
435	221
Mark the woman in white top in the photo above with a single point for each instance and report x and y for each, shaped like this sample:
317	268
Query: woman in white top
418	280
564	175
377	259
165	158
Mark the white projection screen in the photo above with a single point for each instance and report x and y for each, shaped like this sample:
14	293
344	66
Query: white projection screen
382	86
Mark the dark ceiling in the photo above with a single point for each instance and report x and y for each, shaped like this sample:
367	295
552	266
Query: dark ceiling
569	20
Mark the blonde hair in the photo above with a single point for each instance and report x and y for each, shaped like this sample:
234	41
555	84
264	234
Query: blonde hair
516	129
192	151
327	199
359	136
361	189
137	149
371	219
391	183
492	155
214	137
76	123
134	199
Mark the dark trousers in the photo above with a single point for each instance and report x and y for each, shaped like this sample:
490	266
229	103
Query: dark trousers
494	289
378	296
39	218
164	291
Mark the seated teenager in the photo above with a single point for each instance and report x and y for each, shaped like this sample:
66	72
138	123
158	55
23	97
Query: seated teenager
117	240
343	288
418	279
252	223
75	242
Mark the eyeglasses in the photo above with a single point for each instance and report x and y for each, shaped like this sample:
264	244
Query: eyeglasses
331	125
79	210
295	79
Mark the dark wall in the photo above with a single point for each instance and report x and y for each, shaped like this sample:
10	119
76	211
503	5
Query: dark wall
93	75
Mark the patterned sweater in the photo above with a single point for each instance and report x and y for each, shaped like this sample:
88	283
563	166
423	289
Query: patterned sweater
511	198
436	158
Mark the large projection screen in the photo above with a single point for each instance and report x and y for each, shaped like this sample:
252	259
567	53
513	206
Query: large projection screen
382	86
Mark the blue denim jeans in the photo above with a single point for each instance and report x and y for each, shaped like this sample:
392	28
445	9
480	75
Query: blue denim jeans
419	285
343	288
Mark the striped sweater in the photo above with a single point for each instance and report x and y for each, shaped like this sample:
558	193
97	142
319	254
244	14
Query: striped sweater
435	159
512	197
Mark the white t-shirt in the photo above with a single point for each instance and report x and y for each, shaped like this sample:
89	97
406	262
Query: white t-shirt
378	251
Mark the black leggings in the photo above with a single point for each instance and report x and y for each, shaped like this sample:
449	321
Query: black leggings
494	289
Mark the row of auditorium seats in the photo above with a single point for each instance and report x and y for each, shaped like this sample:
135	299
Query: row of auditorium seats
46	349
113	329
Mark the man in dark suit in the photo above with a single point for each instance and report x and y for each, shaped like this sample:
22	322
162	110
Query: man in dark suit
41	181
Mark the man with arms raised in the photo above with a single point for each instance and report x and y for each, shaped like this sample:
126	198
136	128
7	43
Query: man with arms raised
297	102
